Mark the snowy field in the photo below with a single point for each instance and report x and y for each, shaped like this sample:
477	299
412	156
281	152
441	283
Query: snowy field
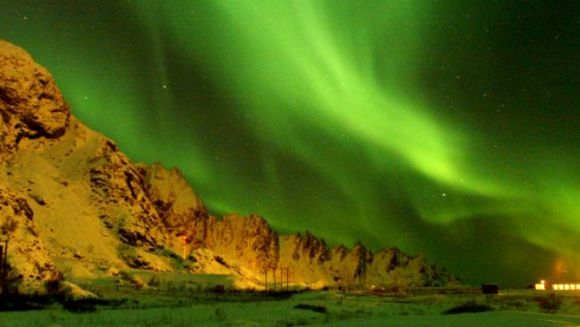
320	309
234	317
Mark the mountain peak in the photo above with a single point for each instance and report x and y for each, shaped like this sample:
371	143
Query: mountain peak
85	210
31	105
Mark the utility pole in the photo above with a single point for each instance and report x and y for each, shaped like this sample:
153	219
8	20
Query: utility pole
281	279
7	229
181	234
1	270
3	265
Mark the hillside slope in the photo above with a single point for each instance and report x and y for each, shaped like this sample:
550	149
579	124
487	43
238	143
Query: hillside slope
82	209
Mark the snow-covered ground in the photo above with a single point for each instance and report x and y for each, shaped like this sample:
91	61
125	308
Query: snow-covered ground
314	309
248	317
486	319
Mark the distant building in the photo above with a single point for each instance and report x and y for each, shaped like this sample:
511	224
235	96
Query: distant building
543	285
490	289
566	287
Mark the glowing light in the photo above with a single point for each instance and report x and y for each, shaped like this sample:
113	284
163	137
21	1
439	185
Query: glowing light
561	287
541	286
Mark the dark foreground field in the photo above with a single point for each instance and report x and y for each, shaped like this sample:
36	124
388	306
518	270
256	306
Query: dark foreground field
329	308
268	314
313	308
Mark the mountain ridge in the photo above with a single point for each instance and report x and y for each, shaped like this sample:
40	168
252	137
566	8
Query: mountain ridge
83	209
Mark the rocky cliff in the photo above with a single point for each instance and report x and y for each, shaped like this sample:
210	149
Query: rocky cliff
73	204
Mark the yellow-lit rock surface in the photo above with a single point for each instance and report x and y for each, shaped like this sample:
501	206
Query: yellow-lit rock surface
85	210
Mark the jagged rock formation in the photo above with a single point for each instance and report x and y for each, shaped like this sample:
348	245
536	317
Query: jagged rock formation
314	263
85	210
32	106
30	257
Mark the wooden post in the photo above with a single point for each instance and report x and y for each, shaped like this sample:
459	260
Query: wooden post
5	266
266	279
282	279
5	263
1	269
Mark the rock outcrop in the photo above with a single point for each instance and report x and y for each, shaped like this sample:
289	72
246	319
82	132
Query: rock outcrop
31	106
30	261
82	209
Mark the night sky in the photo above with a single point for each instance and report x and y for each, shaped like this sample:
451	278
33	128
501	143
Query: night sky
449	128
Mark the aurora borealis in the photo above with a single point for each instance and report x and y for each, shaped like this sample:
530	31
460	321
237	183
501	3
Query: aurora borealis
443	127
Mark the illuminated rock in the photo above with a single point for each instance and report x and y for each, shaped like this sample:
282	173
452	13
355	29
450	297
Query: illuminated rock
74	192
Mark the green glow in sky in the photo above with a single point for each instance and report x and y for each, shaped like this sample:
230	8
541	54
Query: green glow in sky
448	128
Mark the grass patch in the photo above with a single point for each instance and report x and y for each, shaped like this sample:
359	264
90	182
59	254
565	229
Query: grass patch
23	302
17	302
468	307
311	307
550	303
91	305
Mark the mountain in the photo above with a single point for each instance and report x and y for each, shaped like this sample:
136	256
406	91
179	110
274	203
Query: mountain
73	205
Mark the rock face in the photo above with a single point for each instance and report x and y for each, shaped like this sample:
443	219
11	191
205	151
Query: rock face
30	261
314	264
80	208
30	104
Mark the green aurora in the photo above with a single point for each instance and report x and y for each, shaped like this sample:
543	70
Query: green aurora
443	127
